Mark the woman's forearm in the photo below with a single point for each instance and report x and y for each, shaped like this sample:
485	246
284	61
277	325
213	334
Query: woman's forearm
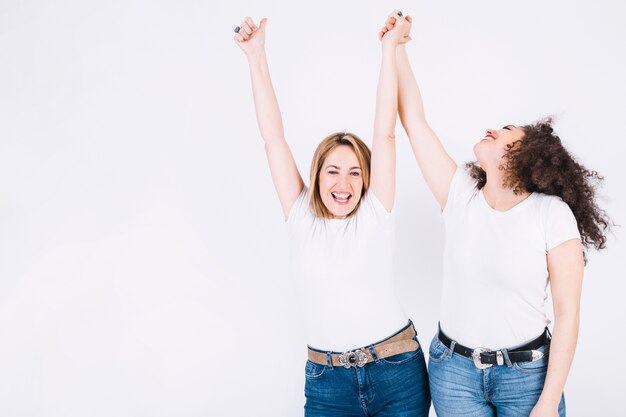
265	103
387	95
562	348
410	105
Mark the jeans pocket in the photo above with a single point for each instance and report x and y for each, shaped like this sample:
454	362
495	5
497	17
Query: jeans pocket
536	366
532	367
401	358
437	351
314	370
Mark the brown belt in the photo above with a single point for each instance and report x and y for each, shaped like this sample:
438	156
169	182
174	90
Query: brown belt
400	343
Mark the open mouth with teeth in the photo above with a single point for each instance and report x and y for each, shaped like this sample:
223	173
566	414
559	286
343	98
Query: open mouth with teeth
341	198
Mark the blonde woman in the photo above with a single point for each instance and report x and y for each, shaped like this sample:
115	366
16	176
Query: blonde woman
364	357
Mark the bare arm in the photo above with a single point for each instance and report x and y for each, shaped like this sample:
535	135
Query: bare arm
285	175
383	179
436	165
565	266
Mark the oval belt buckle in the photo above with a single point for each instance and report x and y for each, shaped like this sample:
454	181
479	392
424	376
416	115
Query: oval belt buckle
353	359
476	358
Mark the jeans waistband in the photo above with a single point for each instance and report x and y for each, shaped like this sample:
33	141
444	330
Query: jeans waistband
484	357
400	342
387	339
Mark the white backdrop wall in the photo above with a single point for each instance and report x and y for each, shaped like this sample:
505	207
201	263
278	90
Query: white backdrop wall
143	266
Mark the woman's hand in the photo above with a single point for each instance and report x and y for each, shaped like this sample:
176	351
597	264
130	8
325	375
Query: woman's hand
399	25
544	410
251	38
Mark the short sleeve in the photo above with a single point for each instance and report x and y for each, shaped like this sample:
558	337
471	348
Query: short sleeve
462	187
373	207
561	224
300	208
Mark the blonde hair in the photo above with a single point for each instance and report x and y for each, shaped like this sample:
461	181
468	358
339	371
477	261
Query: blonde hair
363	155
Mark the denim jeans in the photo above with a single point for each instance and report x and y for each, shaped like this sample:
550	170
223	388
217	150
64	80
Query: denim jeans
394	386
459	388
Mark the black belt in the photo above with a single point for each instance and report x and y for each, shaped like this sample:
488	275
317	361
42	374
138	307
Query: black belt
485	358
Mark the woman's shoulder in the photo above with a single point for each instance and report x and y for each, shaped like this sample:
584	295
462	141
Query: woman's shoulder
300	208
550	203
463	189
552	210
557	220
371	206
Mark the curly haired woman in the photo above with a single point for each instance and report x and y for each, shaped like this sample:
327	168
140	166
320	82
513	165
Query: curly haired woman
516	221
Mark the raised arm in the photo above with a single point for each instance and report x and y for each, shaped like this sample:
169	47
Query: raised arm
285	175
565	266
383	177
436	165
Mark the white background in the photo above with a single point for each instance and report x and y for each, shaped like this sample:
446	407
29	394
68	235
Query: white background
143	266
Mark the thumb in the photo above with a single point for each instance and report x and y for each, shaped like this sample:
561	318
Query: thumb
262	23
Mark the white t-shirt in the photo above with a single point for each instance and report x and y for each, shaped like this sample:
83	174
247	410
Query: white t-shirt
495	273
344	273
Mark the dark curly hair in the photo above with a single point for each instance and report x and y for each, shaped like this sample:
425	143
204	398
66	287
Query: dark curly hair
540	163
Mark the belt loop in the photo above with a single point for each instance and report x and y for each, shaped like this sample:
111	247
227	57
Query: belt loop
549	334
329	360
373	352
452	345
507	360
499	358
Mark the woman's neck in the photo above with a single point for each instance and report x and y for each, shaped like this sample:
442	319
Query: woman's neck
498	196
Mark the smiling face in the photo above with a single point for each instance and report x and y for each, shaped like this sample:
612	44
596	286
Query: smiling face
490	150
340	175
341	181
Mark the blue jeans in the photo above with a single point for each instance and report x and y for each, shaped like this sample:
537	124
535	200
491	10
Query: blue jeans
394	386
459	388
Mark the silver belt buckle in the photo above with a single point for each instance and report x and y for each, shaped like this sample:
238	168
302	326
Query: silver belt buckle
476	358
353	359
